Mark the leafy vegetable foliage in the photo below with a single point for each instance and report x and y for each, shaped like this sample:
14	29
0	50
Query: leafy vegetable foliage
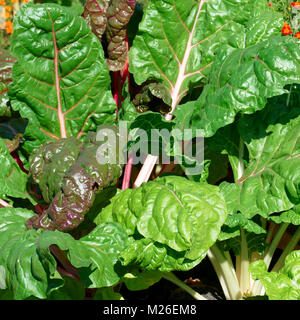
63	85
30	267
282	285
175	218
72	189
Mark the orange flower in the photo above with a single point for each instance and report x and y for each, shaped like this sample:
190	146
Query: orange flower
8	27
2	3
286	29
14	1
24	1
6	15
296	5
297	35
8	8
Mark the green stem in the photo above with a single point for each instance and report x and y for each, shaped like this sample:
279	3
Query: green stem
268	257
258	288
245	276
171	277
288	249
226	273
220	275
241	167
270	232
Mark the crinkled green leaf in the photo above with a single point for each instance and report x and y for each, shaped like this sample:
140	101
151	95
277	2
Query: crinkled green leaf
271	181
175	216
282	285
61	82
232	241
70	174
290	216
31	268
177	40
150	255
242	79
94	254
12	179
26	275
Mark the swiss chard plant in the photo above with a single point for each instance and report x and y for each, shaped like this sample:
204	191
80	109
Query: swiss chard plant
83	216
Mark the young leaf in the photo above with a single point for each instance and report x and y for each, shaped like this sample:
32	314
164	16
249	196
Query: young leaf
150	255
95	14
282	285
172	213
118	16
61	82
70	174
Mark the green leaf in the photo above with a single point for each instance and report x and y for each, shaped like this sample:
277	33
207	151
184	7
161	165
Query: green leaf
290	216
12	179
95	254
271	180
150	255
26	275
241	80
178	217
282	285
107	294
30	267
61	82
5	110
177	40
140	280
71	290
157	130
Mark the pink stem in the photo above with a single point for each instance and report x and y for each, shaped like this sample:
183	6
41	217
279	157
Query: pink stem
149	164
4	203
15	155
116	87
61	256
127	173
